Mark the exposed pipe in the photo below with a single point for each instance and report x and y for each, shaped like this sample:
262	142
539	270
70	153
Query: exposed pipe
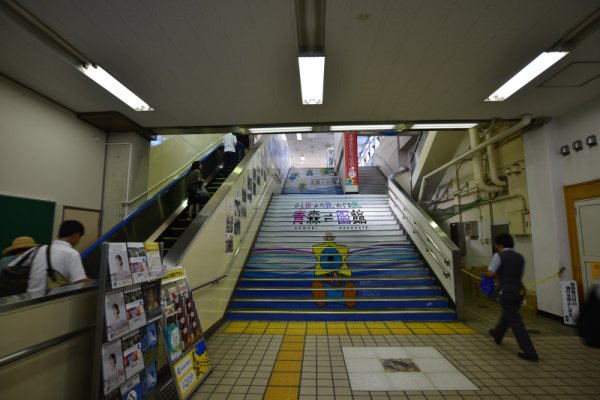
491	154
525	120
478	165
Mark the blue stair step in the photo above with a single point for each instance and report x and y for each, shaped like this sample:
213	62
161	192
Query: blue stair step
414	314
307	292
337	301
356	273
307	282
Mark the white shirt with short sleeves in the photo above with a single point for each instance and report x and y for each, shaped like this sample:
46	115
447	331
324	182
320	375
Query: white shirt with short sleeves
229	142
64	258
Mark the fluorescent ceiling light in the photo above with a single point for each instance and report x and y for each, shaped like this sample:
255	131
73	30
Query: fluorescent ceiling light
312	71
302	158
361	127
298	136
464	125
106	80
282	129
523	77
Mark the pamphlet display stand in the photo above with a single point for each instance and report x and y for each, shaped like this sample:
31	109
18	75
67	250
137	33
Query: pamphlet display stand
133	309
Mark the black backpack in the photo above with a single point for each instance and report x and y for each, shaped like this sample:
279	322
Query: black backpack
588	323
14	278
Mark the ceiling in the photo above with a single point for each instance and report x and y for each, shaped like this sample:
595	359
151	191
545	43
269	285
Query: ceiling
208	63
313	147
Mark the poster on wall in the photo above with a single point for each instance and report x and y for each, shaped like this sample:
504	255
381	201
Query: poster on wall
351	161
570	302
228	242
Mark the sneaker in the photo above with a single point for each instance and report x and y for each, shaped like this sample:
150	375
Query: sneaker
493	334
528	357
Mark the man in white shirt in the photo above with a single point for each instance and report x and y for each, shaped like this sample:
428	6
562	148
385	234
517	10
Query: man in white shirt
63	258
229	142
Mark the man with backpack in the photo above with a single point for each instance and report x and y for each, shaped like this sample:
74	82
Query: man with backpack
48	266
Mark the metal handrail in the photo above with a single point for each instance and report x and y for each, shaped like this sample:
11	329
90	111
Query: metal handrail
432	242
209	282
18	355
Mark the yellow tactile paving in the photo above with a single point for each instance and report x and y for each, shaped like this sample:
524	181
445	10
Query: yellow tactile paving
292	338
278	324
378	332
396	325
417	325
401	331
422	331
443	331
258	325
296	325
235	329
254	331
453	325
356	325
466	331
316	332
317	325
288	366
292	346
435	325
295	332
290	355
376	325
285	379
281	393
274	331
358	331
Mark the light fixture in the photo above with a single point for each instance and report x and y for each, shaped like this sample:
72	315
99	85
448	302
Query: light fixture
577	145
564	150
298	136
108	82
302	158
591	141
312	72
523	77
360	127
450	125
282	129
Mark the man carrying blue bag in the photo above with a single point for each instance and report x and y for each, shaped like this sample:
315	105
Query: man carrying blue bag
509	266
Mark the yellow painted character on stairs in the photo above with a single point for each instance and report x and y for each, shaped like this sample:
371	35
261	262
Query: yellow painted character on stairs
331	263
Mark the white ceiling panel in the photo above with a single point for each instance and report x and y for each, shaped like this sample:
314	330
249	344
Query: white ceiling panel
215	62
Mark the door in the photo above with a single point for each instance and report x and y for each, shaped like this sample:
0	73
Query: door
588	224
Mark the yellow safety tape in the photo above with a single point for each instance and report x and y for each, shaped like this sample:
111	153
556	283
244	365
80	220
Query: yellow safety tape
527	284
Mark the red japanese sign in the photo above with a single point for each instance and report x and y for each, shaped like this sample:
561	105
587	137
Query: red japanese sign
351	158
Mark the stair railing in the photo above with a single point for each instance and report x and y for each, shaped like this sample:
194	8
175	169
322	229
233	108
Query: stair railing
440	253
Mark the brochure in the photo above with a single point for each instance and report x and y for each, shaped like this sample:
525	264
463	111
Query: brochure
149	378
173	337
118	265
116	316
149	337
155	267
113	372
137	262
134	305
151	293
132	389
133	358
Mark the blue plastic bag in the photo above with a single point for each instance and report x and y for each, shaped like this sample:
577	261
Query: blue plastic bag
487	285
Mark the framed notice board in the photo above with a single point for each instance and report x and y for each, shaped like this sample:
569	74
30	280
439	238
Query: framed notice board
25	217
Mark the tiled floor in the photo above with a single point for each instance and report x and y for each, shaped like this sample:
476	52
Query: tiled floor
307	360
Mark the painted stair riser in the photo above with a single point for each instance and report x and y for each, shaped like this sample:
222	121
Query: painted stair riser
300	258
341	303
350	242
384	282
309	274
268	315
308	293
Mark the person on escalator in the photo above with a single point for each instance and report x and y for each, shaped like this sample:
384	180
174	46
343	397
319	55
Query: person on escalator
196	190
229	154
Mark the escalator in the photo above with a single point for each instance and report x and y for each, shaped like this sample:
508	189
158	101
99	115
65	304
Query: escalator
164	206
176	228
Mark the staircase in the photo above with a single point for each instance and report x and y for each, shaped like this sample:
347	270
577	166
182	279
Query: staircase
312	181
176	228
371	181
328	257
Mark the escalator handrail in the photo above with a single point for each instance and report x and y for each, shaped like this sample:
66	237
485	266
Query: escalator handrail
130	217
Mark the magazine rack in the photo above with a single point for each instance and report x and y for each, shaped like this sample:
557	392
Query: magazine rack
129	361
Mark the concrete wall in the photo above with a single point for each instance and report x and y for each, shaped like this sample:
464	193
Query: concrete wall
548	172
47	153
